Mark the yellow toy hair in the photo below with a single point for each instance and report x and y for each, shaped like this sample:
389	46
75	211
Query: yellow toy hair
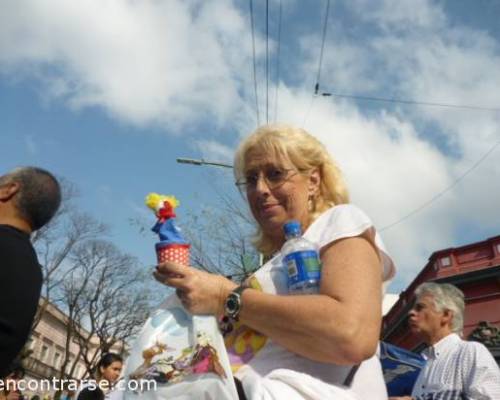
155	201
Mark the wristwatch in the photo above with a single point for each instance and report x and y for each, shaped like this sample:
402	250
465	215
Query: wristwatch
232	305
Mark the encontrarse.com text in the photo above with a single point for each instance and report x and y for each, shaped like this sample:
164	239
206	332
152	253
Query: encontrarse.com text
45	385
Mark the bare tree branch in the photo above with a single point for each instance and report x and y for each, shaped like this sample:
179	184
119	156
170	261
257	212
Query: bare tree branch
55	241
220	238
112	301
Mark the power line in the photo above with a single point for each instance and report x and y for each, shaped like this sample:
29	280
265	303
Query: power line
412	102
316	86
254	64
278	67
447	189
267	61
322	45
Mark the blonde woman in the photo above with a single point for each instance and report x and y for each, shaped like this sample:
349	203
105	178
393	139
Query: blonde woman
319	346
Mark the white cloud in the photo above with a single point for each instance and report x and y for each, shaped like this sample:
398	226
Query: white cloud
390	171
143	62
214	151
439	63
342	69
404	158
176	64
400	15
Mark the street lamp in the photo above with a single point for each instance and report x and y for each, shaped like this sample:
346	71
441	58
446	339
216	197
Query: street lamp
202	162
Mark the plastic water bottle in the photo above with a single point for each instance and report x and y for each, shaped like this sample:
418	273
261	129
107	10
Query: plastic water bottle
301	260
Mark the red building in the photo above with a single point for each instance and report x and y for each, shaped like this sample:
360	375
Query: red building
475	269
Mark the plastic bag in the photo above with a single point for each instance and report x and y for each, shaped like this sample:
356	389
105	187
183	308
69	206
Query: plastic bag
182	356
401	368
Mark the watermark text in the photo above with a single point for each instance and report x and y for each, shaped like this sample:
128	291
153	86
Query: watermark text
54	384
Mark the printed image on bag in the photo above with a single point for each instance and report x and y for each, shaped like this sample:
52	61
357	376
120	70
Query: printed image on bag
182	356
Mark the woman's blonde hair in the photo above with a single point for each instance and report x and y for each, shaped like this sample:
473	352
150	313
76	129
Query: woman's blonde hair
305	152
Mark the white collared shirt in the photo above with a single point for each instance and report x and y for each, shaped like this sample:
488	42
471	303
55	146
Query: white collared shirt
456	369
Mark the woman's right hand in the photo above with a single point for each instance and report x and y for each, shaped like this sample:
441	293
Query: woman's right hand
200	292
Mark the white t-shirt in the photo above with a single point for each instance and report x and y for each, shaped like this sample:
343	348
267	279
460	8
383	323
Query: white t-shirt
268	370
456	369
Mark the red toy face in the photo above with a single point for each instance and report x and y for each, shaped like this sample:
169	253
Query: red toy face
166	211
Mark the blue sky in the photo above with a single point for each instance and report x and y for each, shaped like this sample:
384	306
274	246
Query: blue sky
109	94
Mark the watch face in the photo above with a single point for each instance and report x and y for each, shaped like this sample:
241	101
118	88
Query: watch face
232	304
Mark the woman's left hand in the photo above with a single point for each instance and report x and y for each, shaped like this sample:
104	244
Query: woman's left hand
200	292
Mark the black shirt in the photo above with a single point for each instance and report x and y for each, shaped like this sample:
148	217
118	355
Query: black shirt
20	285
89	393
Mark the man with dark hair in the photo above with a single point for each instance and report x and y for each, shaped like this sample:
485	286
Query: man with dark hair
29	198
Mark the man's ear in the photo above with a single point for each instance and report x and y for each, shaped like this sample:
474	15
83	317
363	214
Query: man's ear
448	317
314	182
8	190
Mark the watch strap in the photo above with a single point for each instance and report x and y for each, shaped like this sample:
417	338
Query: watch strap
233	303
239	290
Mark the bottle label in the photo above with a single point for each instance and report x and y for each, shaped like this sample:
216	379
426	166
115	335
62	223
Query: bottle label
302	266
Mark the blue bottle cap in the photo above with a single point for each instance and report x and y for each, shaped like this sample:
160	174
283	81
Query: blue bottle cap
292	228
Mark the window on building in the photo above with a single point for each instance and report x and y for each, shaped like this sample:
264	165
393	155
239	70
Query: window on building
57	360
445	261
44	353
69	364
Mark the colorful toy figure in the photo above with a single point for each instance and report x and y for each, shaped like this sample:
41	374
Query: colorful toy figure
195	358
172	246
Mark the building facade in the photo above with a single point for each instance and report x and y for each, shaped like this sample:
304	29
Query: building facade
475	269
46	350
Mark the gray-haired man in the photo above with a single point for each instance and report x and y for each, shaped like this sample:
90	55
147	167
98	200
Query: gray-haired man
29	197
455	369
